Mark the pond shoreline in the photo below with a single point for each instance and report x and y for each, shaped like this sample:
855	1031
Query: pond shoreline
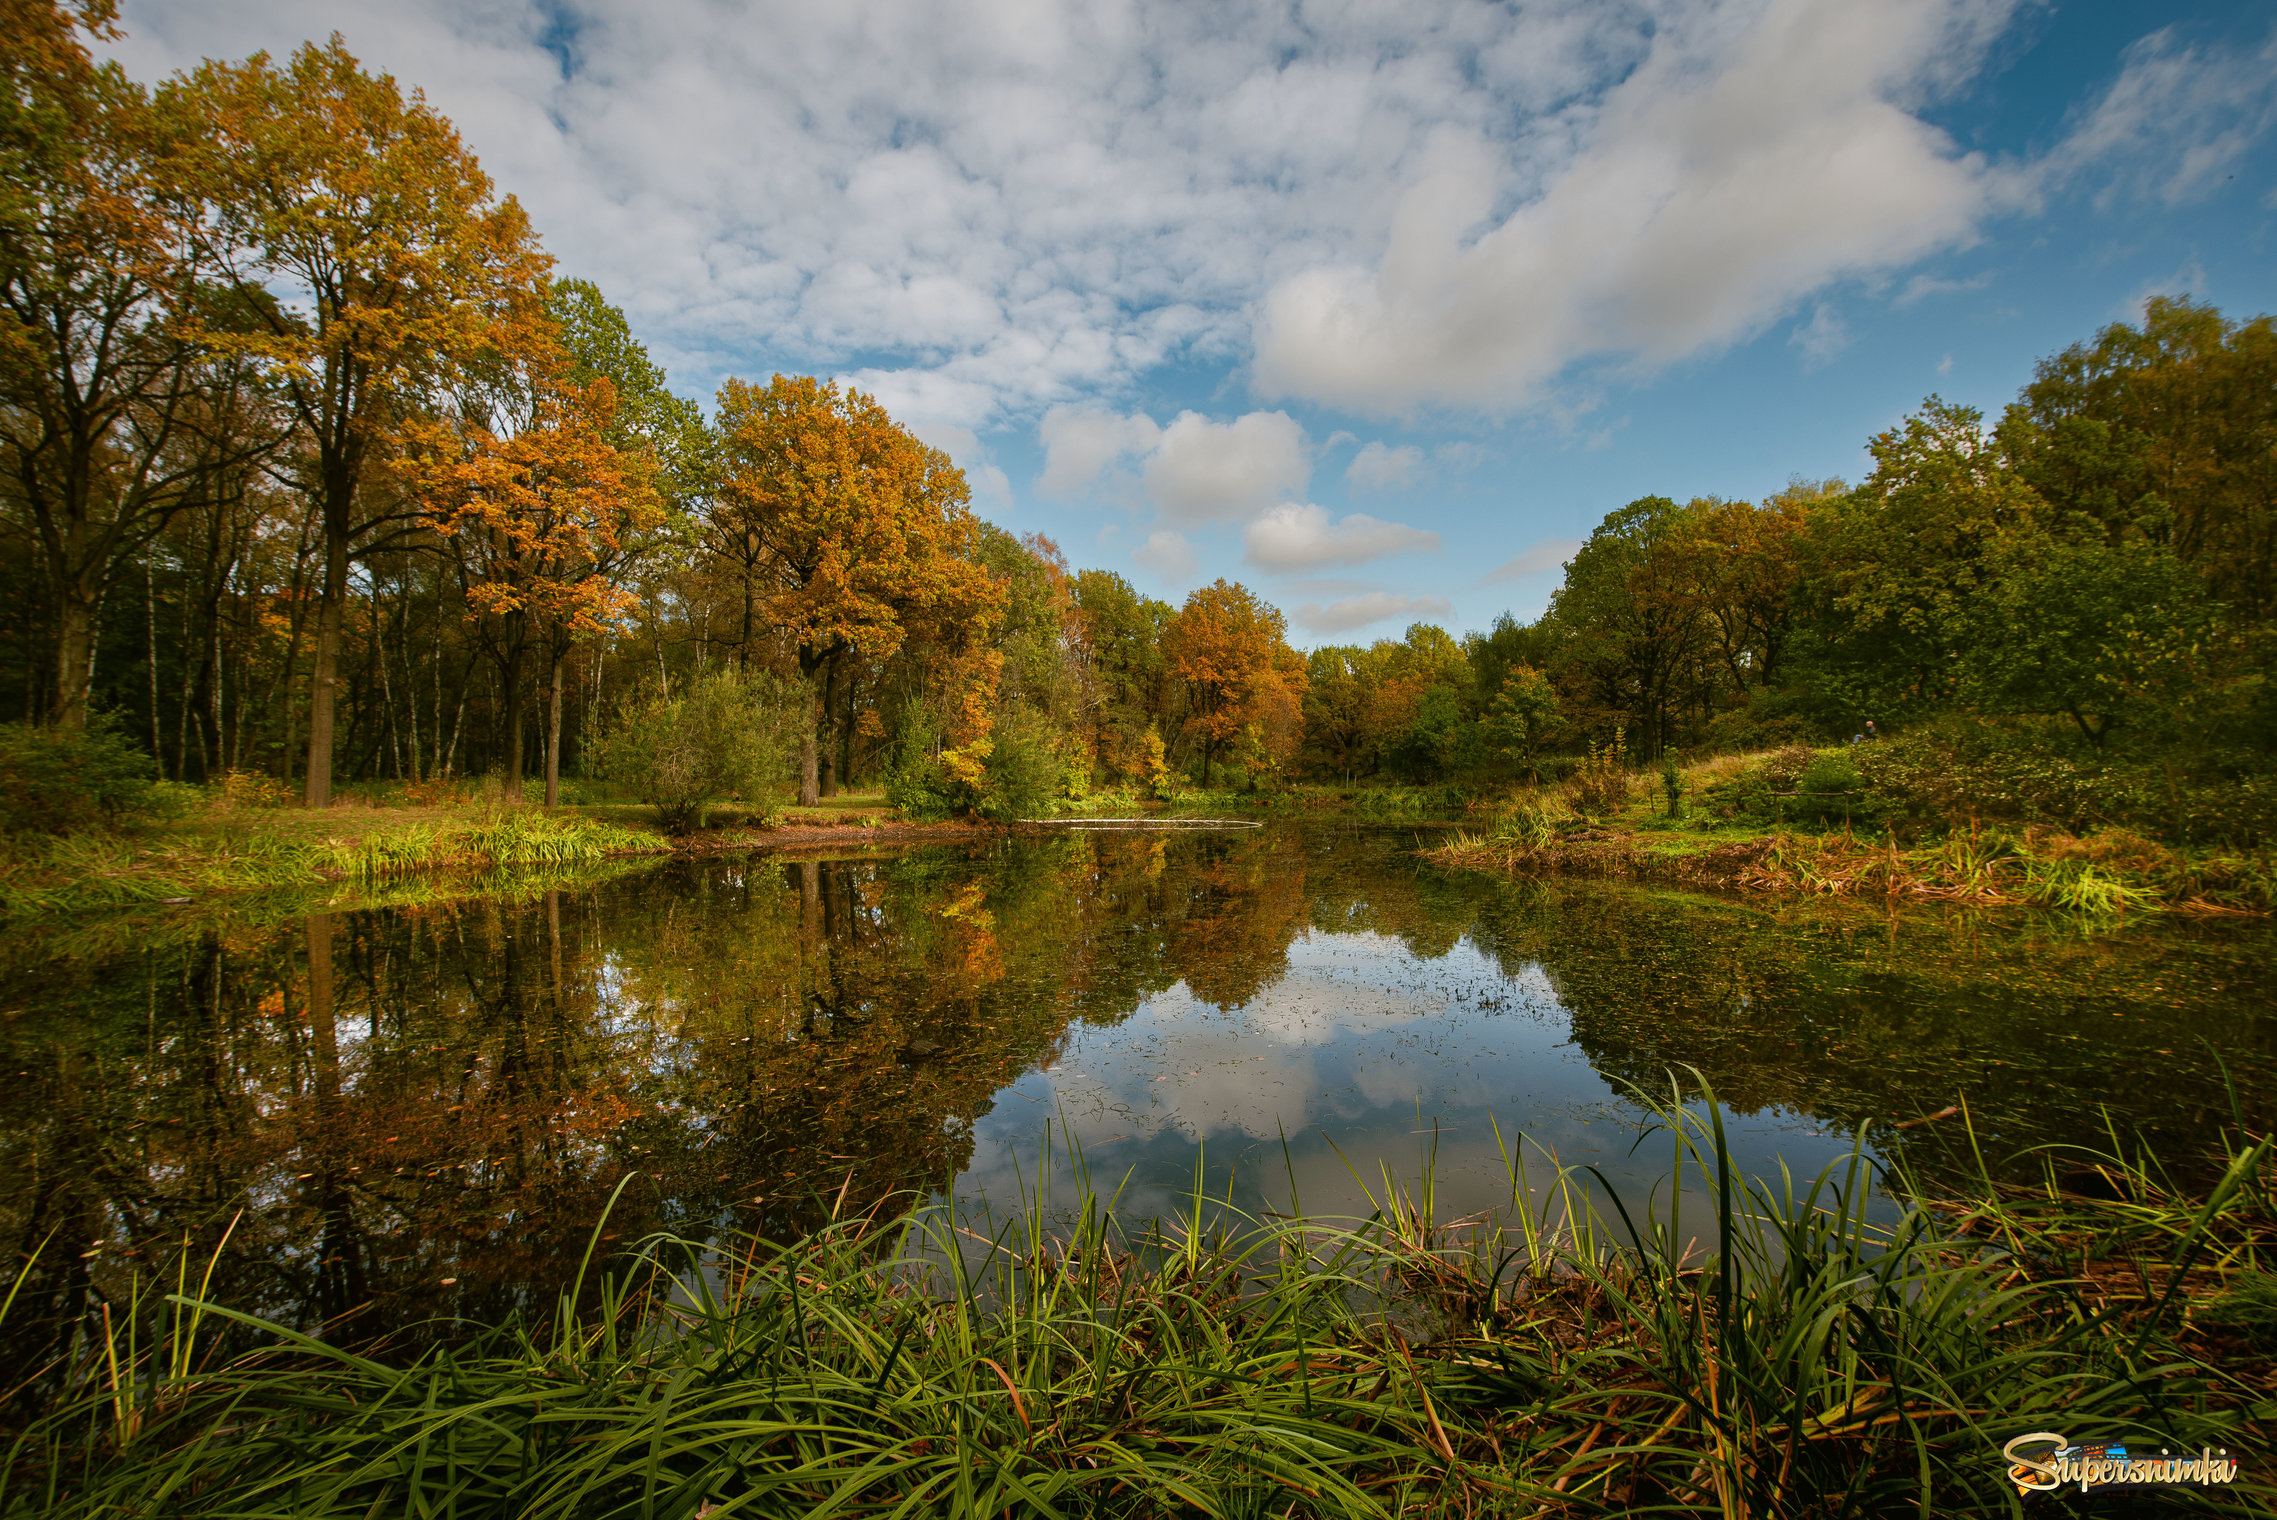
2033	868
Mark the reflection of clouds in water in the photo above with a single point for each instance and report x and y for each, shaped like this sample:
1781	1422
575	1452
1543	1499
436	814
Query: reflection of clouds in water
1356	1024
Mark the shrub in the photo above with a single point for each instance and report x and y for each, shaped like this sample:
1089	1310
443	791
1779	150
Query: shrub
62	780
727	737
1600	785
253	789
1022	775
917	785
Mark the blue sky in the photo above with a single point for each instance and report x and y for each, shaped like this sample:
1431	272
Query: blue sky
1375	307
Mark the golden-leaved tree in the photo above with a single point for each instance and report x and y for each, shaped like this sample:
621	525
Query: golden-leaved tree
1244	685
397	262
870	532
524	479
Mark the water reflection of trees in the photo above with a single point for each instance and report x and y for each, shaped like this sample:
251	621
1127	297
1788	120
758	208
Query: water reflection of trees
422	1112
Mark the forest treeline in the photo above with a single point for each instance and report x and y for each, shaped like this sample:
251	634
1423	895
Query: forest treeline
317	471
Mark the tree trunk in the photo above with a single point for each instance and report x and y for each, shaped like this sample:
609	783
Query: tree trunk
846	737
809	760
553	738
74	657
512	697
828	738
325	676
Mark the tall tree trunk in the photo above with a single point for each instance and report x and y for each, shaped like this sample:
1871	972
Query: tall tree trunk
150	659
74	656
553	737
512	678
846	736
324	677
828	739
809	760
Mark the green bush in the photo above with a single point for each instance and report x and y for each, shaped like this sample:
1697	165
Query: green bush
729	737
63	780
915	784
1023	774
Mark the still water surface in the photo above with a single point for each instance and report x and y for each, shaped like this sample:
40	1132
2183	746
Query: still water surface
421	1112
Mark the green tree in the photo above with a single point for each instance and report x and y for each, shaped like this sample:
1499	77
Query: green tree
727	736
2104	634
1523	715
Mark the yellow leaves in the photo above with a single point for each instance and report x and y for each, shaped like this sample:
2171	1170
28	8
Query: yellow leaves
871	529
968	762
545	512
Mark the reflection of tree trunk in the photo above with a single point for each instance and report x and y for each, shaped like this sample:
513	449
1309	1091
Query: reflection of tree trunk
810	908
553	947
553	741
340	1275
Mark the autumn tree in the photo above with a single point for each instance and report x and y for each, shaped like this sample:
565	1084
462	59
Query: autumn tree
525	482
327	183
1229	651
1746	566
869	530
112	417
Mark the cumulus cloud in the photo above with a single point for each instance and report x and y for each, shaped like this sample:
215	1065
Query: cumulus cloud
1167	554
1350	612
1080	442
980	212
1385	469
1298	536
1204	471
1736	168
1538	558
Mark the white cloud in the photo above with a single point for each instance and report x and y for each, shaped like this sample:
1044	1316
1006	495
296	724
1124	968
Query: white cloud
1298	536
1380	469
1921	287
2174	121
1348	613
1081	442
1194	471
1742	164
1538	558
980	212
1822	337
1167	554
1204	471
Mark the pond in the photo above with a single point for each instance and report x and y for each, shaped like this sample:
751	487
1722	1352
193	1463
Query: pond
402	1114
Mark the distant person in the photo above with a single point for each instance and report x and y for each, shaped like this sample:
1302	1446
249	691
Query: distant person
1870	734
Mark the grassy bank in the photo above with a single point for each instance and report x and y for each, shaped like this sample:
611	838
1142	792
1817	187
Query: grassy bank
1559	1360
1626	826
229	851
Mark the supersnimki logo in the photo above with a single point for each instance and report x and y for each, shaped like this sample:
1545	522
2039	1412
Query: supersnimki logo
2044	1461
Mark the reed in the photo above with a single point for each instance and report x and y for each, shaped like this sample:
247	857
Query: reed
1847	1344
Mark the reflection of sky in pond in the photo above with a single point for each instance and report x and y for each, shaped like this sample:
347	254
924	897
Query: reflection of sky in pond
1361	1058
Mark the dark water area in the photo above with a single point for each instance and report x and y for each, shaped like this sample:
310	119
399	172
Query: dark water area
408	1114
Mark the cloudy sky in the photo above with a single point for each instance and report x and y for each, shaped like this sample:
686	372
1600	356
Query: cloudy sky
1378	307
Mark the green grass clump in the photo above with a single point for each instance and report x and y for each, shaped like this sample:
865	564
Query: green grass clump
1842	1345
97	870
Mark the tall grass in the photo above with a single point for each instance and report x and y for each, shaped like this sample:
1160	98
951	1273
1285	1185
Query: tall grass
1826	1351
91	871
